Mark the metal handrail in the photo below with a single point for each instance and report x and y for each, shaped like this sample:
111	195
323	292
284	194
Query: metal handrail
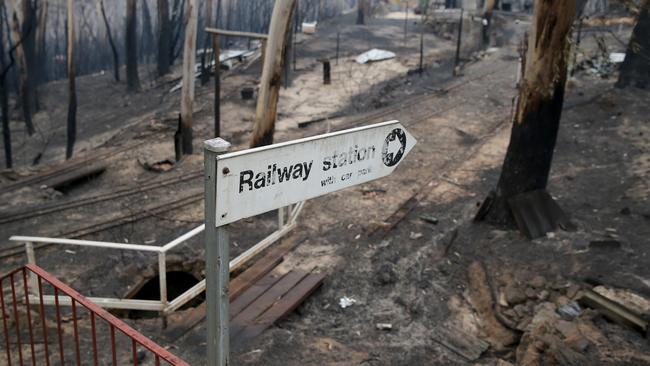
164	305
95	311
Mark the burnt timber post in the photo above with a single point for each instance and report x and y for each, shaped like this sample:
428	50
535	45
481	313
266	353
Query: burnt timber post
216	48
216	45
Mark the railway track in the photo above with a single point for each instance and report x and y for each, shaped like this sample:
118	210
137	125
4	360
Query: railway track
131	217
413	118
124	192
66	168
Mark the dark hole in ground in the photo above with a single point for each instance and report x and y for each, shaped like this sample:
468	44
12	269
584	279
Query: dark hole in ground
177	283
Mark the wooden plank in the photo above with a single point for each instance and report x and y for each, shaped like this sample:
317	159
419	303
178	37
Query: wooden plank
460	342
262	266
100	154
264	302
76	176
238	286
280	309
615	311
254	292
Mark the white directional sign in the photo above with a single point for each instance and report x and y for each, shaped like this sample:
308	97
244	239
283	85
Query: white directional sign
258	180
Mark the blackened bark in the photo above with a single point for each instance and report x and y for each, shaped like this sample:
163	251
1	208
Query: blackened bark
72	91
635	70
29	42
23	84
205	69
487	18
41	36
534	132
361	12
4	102
116	57
132	79
6	130
146	45
164	37
178	20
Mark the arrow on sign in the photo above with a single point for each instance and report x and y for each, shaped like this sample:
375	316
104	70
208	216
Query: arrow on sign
254	181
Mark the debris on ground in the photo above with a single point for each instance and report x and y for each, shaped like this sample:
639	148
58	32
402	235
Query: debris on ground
384	326
429	218
158	166
345	302
374	55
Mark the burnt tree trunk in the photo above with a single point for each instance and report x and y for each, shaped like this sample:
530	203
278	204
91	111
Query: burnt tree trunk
4	105
487	19
205	71
539	107
361	12
72	92
41	36
635	70
28	29
164	37
132	79
178	21
147	39
109	35
23	72
189	60
271	81
4	99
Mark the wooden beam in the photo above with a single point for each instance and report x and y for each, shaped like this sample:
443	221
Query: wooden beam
223	32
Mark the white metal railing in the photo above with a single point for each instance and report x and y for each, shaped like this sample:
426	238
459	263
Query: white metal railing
286	222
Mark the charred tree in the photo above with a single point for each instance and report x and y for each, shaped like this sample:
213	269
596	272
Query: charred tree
4	99
41	36
109	35
147	32
271	81
132	78
635	70
488	10
72	92
164	38
205	71
178	20
189	60
23	72
539	107
361	12
28	31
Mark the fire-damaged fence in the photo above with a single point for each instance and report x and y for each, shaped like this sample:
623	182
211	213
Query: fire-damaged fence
81	333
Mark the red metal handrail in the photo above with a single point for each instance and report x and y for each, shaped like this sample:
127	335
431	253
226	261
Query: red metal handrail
40	351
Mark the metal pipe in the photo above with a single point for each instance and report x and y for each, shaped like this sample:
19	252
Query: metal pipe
162	277
216	263
87	243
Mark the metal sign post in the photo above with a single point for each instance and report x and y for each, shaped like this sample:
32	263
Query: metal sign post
250	182
217	272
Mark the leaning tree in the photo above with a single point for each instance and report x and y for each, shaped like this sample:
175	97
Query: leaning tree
539	108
